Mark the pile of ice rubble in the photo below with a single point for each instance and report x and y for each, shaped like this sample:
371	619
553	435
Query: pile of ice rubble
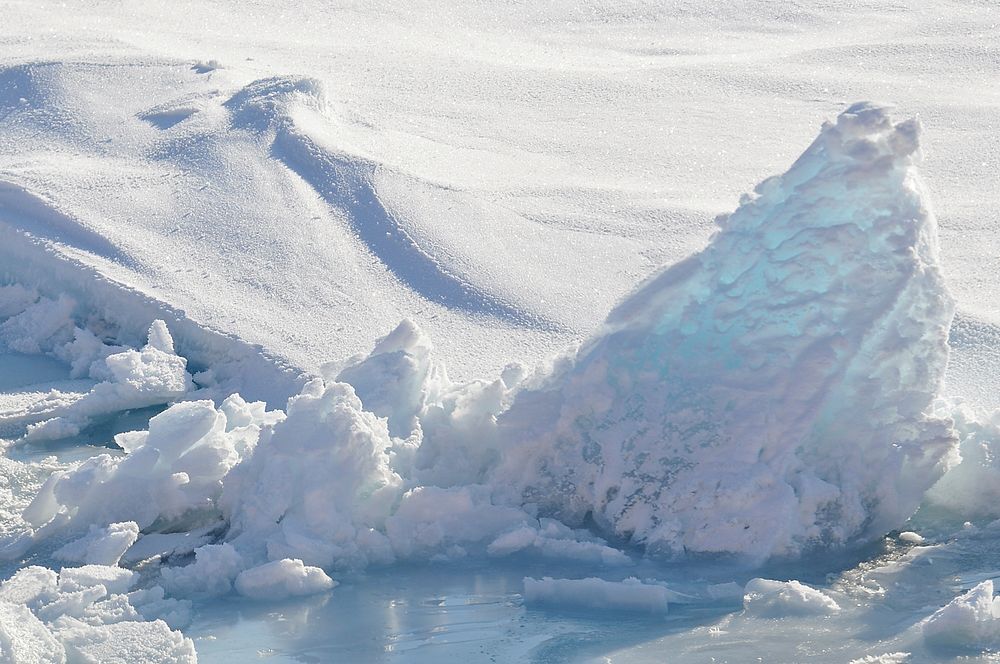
770	395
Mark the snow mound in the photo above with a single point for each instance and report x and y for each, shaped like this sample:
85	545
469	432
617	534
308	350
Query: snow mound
318	484
765	598
593	593
969	622
281	579
771	393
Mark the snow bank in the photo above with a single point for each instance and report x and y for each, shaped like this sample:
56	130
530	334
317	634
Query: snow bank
281	579
592	593
969	622
765	598
772	392
87	614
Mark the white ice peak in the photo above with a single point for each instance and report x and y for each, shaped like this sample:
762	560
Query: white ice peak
769	393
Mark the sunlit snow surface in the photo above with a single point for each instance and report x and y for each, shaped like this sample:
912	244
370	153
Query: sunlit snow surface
281	185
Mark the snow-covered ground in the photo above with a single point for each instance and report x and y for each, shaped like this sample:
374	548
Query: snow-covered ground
220	437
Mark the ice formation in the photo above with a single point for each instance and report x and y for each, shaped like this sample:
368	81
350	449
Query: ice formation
172	471
128	378
766	598
971	488
593	593
771	393
101	546
281	579
969	622
88	614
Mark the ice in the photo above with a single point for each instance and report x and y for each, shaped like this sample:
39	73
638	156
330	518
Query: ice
598	594
101	546
972	487
699	419
82	615
766	598
969	622
128	643
136	379
433	520
15	299
318	485
398	163
39	327
887	658
281	579
114	580
24	639
772	393
172	471
152	604
212	573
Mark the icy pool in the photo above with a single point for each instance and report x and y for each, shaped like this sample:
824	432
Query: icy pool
477	613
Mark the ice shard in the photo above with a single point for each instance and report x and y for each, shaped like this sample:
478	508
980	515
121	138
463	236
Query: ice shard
771	393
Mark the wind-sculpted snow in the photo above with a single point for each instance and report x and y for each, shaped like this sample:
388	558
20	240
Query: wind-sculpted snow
348	183
772	392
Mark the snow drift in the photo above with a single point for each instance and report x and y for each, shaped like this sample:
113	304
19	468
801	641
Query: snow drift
770	393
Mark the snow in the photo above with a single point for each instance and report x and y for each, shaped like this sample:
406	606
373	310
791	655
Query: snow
100	546
970	487
205	223
628	595
24	639
969	622
212	573
281	579
82	614
766	598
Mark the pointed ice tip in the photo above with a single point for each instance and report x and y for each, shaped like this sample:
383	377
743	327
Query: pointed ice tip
865	132
159	337
865	117
407	337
